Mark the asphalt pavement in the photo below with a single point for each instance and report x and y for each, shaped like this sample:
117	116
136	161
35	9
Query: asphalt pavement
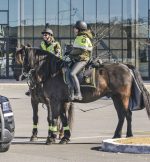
89	129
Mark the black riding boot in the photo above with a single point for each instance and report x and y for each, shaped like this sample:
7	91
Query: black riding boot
77	95
27	93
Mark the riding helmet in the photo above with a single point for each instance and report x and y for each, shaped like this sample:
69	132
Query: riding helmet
47	30
81	25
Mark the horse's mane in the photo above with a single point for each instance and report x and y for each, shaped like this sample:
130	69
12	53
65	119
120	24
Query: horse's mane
50	65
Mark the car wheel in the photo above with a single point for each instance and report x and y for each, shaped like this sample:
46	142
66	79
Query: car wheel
4	147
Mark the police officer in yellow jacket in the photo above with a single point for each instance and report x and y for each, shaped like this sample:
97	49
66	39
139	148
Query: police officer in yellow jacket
49	44
81	53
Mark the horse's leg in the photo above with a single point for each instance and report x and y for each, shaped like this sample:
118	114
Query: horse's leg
121	115
52	123
129	126
128	115
35	120
66	115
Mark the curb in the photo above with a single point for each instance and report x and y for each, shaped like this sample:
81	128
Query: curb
110	145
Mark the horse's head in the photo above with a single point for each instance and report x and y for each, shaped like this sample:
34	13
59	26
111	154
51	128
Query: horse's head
21	61
19	56
18	62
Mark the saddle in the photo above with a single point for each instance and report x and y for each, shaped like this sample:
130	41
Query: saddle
86	76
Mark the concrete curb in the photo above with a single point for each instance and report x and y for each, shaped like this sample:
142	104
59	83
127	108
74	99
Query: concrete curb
110	145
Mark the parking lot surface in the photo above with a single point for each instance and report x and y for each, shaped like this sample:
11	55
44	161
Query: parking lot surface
89	129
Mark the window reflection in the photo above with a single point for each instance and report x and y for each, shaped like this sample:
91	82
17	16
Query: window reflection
76	10
14	15
3	17
39	17
103	11
64	18
52	15
89	11
3	4
27	18
115	11
76	13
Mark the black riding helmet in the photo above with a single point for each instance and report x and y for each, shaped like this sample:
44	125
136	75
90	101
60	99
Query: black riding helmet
47	30
81	25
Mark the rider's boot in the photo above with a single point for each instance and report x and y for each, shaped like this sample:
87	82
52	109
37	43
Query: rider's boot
27	93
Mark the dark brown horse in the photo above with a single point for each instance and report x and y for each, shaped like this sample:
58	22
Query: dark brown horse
112	79
45	93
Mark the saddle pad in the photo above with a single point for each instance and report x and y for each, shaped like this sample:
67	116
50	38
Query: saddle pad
88	79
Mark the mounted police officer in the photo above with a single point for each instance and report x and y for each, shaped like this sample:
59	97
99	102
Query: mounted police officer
81	53
49	44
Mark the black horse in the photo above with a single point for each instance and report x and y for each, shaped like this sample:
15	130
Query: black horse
112	79
60	112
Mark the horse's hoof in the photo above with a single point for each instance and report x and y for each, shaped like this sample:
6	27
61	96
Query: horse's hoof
64	140
129	135
33	138
116	137
61	136
50	141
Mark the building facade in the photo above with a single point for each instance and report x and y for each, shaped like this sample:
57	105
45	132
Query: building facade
121	27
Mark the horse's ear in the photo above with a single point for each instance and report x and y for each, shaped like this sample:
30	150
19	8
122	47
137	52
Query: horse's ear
17	48
28	45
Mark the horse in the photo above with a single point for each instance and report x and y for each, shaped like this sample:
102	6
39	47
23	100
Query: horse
60	114
112	79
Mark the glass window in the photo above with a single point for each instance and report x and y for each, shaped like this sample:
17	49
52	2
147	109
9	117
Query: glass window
90	11
116	17
129	17
64	18
14	16
144	50
76	13
3	17
103	54
52	15
103	11
142	31
76	10
3	4
116	55
26	18
37	42
115	11
103	19
39	16
115	44
103	44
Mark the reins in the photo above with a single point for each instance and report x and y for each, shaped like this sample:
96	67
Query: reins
95	108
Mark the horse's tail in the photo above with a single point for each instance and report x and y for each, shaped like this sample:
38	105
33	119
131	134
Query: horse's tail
145	93
70	115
